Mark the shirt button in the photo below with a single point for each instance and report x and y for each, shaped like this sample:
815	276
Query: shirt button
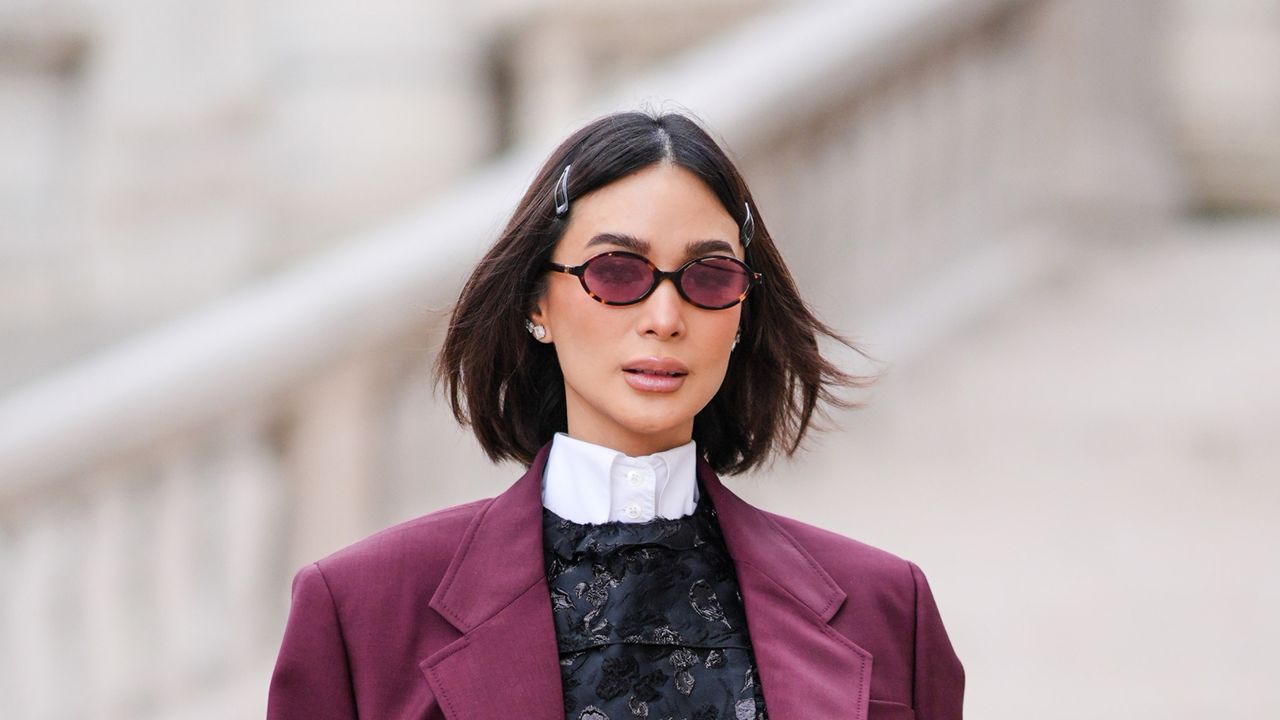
632	510
633	477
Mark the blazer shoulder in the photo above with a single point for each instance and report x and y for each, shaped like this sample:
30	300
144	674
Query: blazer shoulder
852	563
889	612
423	546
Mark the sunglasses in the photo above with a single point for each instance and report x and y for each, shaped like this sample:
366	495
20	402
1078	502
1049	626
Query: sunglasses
714	282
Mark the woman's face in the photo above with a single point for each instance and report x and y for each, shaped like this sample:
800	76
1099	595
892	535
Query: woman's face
612	357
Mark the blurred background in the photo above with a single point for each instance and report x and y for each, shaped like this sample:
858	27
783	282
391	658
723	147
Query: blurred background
229	233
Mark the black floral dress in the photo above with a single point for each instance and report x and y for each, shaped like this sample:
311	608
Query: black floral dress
649	620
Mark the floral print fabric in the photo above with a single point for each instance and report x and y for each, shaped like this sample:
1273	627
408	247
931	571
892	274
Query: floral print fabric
649	620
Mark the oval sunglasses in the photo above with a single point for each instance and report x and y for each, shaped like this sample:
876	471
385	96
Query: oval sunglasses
713	282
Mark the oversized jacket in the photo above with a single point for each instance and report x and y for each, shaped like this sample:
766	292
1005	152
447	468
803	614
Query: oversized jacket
449	616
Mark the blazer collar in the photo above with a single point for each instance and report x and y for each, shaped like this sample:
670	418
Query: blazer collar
495	593
808	669
506	534
753	537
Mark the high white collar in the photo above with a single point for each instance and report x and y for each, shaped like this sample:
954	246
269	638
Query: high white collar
588	483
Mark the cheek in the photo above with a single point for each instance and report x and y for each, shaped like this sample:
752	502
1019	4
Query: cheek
715	347
718	330
582	330
563	303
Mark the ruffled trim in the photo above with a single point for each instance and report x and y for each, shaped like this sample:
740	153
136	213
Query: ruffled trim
572	541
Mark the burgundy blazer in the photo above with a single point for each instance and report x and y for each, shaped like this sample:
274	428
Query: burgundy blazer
449	616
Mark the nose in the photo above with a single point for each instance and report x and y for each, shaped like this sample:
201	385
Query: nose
662	313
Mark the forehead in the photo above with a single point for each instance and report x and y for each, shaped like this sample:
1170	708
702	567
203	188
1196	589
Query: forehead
664	206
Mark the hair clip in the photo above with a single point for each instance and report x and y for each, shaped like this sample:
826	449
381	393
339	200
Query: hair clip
562	192
748	226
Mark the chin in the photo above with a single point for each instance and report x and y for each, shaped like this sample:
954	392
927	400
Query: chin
650	424
653	428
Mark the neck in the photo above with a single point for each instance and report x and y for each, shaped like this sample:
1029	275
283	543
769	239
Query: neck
633	445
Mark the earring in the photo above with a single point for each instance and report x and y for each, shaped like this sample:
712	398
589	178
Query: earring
736	338
537	331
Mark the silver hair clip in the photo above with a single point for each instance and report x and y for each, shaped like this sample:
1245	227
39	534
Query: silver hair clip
562	192
748	226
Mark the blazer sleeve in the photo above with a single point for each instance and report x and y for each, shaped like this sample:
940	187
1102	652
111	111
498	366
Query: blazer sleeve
939	677
312	678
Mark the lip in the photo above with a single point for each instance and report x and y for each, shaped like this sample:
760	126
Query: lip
657	365
654	374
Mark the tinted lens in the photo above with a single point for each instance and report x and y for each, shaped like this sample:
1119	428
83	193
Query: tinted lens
618	278
715	282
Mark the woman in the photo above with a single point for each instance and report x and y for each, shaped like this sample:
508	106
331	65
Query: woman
632	333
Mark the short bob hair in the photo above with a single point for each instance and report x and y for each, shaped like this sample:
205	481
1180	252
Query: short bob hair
509	389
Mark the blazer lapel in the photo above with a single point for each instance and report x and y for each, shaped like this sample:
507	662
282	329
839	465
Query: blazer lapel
506	664
808	669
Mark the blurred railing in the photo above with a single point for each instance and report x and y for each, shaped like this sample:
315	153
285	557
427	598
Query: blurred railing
916	159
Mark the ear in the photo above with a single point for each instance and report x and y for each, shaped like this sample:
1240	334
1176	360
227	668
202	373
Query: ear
539	317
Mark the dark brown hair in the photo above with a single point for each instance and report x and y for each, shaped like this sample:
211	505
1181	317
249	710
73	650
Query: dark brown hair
509	389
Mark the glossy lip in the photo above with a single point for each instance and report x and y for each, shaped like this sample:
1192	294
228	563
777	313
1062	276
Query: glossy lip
650	374
657	364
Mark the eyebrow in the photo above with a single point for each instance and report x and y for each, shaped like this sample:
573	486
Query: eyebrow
695	248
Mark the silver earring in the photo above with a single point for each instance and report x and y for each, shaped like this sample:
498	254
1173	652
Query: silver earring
736	338
537	331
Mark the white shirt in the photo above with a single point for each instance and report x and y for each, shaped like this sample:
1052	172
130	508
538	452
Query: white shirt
589	483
